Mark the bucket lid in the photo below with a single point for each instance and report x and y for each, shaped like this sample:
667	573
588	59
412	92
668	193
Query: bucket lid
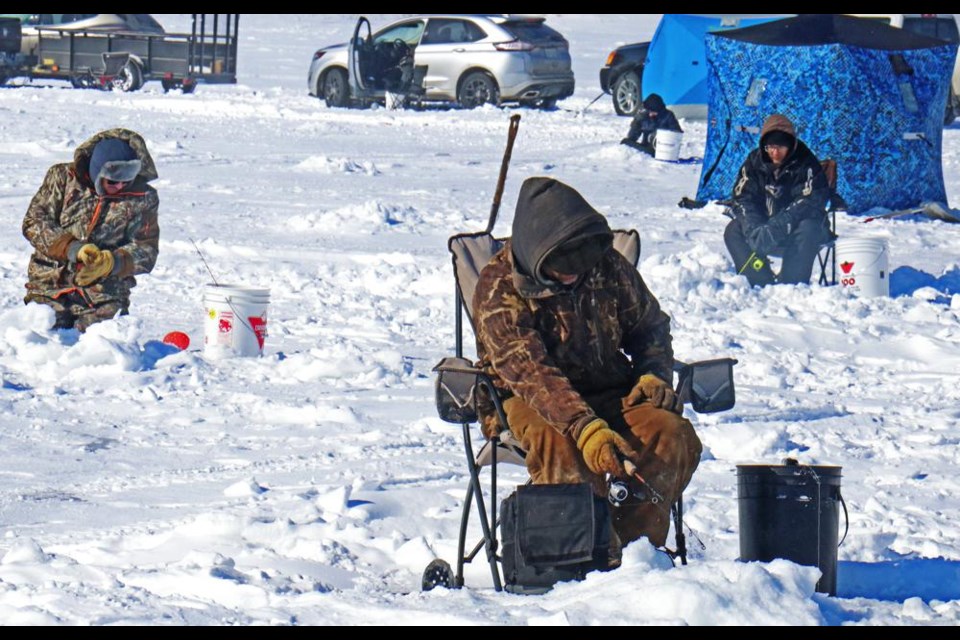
861	242
788	473
230	289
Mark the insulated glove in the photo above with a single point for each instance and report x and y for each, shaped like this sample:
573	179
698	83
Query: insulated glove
651	388
97	264
88	253
604	449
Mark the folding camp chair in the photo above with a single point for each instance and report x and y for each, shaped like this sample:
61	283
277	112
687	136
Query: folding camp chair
707	386
827	258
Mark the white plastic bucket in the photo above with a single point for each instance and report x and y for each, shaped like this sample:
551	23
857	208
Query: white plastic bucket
862	265
667	145
236	320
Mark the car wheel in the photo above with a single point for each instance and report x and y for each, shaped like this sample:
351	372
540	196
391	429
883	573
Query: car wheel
129	78
334	88
626	94
477	88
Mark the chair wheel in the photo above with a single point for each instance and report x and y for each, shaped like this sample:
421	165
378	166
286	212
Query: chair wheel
437	574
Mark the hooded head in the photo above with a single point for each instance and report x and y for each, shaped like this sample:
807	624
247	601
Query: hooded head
114	160
778	130
554	228
654	103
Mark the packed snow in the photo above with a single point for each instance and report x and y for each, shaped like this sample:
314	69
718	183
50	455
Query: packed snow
142	485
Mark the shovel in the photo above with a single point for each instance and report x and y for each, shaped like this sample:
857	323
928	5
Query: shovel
933	210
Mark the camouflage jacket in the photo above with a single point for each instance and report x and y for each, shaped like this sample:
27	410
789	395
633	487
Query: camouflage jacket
552	348
66	208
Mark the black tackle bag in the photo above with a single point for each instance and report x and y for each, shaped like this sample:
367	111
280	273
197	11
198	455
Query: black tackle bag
552	533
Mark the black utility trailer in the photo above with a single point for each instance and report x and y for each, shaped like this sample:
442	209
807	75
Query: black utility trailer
125	61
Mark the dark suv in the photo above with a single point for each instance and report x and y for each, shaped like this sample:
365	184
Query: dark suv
622	76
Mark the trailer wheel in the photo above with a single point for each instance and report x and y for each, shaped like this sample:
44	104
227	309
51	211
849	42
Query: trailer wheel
130	77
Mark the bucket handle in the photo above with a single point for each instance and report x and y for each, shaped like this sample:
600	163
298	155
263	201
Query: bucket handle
236	314
846	517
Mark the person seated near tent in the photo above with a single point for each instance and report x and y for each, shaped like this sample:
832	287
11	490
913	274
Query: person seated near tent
778	208
93	227
654	115
579	347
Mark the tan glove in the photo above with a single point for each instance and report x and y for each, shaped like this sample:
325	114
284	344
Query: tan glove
604	449
97	264
654	390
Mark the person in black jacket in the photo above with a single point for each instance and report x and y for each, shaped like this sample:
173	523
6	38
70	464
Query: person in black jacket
779	208
643	129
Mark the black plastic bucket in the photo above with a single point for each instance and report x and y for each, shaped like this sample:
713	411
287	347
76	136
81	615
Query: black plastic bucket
791	511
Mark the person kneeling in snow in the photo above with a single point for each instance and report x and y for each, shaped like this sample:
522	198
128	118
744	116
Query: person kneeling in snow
93	227
779	208
582	353
654	115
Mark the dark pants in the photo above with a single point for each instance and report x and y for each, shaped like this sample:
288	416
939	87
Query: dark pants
667	444
75	312
646	148
798	252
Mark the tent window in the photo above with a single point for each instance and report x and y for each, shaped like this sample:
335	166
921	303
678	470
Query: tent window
754	93
908	96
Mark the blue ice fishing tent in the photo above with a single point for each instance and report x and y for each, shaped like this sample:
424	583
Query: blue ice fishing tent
676	66
870	96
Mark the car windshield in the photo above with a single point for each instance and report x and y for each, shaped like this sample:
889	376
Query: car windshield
533	32
409	32
45	19
140	22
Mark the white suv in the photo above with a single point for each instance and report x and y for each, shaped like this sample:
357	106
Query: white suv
464	59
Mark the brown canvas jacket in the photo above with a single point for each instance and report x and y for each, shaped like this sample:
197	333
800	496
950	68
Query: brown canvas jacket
552	348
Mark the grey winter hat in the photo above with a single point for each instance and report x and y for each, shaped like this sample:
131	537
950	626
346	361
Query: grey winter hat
114	160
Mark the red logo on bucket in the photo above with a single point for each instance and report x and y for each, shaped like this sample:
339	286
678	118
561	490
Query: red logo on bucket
225	326
846	266
259	326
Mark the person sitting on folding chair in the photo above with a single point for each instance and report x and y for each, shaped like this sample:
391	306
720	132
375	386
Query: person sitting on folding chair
779	208
579	347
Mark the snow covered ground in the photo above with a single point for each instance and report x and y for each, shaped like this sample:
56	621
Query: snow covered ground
313	485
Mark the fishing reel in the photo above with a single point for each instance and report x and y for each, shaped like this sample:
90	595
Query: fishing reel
619	491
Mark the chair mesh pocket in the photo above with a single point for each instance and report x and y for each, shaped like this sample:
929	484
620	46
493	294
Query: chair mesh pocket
708	385
456	390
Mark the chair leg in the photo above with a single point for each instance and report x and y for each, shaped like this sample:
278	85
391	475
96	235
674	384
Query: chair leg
489	533
681	538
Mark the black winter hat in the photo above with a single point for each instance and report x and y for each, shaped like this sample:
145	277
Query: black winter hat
779	138
654	103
